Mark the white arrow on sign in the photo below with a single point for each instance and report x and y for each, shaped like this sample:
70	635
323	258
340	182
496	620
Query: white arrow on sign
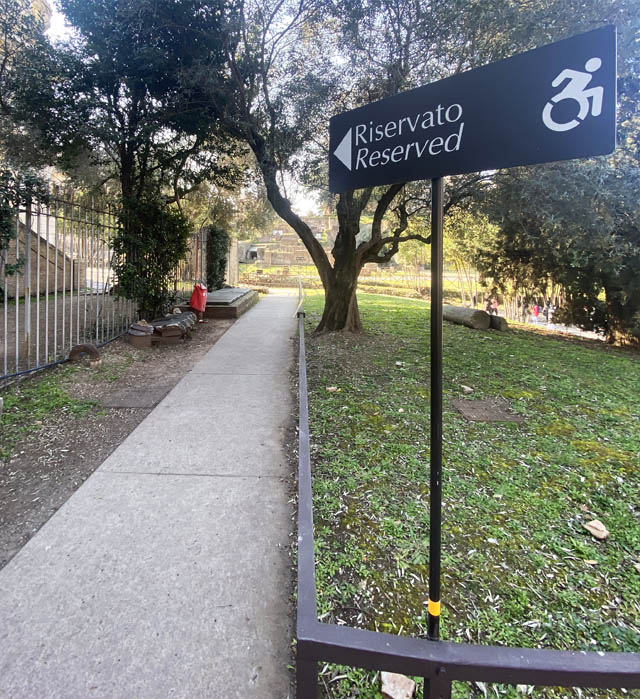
343	151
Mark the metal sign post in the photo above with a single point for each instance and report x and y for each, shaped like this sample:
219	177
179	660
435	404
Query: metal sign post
435	474
556	102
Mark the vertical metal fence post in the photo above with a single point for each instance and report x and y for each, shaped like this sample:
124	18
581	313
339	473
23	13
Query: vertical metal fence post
5	357
47	282
17	278
306	679
435	476
56	257
38	234
438	686
90	275
103	237
27	282
87	261
95	243
64	277
114	300
72	248
78	261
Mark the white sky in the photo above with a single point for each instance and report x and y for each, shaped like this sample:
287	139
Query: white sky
58	29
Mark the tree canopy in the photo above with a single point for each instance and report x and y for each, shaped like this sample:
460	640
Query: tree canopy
115	90
161	93
21	31
577	224
291	65
113	95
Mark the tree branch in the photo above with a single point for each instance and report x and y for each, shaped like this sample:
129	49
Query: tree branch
376	228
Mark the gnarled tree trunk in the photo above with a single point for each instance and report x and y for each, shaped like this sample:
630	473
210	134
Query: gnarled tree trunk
341	305
340	280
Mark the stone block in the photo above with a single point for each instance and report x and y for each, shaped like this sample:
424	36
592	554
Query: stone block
394	686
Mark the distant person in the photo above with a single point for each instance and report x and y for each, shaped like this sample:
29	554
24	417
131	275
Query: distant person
535	310
494	307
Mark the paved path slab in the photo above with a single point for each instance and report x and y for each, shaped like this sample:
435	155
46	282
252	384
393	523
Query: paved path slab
167	574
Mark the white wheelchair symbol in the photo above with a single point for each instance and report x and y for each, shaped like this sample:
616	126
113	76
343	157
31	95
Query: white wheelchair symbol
588	100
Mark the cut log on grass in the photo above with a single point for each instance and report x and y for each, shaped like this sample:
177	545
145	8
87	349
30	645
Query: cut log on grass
498	323
471	317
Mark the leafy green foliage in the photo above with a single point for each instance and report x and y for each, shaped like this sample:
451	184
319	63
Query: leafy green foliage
21	30
152	239
293	63
577	225
116	91
217	249
254	215
518	566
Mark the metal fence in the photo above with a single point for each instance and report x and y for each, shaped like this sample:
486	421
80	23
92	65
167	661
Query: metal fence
192	269
440	663
62	294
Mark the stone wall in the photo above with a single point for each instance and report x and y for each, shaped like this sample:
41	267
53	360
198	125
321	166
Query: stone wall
287	255
231	274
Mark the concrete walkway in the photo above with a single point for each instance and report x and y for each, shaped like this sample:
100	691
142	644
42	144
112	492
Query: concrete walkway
167	574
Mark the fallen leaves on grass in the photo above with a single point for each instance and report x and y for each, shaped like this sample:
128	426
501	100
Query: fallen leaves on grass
597	529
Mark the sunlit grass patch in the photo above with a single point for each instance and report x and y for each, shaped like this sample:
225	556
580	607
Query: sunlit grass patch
519	568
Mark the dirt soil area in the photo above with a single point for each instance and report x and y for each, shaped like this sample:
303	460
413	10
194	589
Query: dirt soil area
65	449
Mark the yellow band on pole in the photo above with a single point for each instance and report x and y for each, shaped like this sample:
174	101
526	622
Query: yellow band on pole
434	608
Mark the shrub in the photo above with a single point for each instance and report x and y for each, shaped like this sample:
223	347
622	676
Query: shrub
217	247
152	240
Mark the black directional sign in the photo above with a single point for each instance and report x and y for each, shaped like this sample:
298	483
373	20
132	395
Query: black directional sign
556	102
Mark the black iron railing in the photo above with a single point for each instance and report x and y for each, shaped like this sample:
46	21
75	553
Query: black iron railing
440	663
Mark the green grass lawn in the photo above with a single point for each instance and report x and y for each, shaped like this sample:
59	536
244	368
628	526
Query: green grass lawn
518	566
